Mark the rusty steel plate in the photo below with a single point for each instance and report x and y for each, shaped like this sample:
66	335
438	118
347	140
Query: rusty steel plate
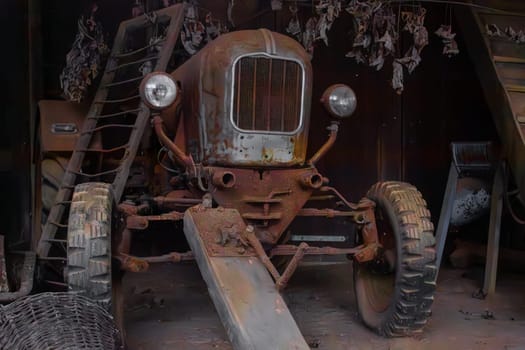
220	230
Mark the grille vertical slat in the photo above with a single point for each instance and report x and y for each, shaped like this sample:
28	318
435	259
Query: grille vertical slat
269	98
267	94
283	95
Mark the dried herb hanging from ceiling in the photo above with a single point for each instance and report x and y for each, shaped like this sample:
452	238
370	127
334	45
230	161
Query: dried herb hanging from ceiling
84	59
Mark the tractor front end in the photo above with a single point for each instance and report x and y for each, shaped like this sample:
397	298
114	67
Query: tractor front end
235	119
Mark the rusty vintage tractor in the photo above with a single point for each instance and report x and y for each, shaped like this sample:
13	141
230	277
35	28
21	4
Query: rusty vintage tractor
217	150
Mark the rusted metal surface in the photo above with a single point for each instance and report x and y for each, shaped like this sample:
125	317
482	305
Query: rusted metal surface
209	76
267	199
251	309
367	252
290	249
131	209
330	213
183	159
222	231
4	283
369	234
168	201
141	264
282	281
333	128
131	263
141	222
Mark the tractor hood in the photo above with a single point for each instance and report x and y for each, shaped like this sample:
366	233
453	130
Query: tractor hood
246	100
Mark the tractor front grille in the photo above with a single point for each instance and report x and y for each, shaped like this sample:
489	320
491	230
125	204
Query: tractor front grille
267	94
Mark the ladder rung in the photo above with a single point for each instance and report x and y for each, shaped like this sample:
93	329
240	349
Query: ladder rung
61	284
63	203
97	174
122	82
52	258
118	100
102	150
54	223
520	118
54	240
115	114
133	62
130	53
107	126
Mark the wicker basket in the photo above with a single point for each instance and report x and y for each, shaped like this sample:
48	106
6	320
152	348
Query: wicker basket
56	321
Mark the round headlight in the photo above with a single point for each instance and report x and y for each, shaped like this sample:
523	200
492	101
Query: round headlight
339	100
158	90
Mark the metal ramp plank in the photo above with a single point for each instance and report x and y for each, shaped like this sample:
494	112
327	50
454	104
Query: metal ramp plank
251	309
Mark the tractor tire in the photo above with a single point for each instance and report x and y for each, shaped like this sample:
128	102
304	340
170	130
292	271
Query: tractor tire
395	291
89	242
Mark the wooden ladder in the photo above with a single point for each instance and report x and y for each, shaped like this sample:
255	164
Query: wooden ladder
116	109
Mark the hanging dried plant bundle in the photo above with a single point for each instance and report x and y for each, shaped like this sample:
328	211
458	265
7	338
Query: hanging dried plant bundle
450	46
84	59
309	35
328	11
194	34
376	27
364	48
294	26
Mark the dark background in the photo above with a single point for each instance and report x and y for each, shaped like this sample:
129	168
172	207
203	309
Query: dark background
391	137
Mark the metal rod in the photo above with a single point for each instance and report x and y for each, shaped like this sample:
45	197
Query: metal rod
130	53
107	126
179	155
118	100
291	267
327	145
290	249
122	82
133	62
97	174
102	150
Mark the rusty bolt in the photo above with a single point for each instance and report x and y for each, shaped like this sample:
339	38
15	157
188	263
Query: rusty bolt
241	250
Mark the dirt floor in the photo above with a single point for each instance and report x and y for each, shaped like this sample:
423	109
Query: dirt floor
169	308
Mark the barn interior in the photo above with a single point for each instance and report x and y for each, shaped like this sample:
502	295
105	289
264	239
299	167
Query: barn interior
445	114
